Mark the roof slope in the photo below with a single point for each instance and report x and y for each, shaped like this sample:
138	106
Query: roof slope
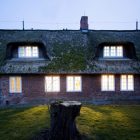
70	51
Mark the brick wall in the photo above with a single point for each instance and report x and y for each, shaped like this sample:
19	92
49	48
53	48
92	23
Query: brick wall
33	88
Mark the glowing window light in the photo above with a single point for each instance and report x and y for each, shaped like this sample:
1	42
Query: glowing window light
127	82
113	51
74	84
108	83
15	84
52	83
28	51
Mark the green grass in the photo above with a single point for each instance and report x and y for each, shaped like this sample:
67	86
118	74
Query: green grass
94	122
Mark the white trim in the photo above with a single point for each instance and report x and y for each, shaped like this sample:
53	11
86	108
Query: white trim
52	89
107	82
74	76
126	82
109	53
14	91
25	55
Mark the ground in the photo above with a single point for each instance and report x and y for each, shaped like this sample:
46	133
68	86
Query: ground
108	122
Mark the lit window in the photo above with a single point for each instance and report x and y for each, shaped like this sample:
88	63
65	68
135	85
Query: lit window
35	51
15	84
108	83
52	83
74	83
113	51
119	51
106	51
127	82
28	51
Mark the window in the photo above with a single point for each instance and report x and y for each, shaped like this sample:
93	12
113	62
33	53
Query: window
28	51
127	82
74	84
108	83
52	83
113	51
15	84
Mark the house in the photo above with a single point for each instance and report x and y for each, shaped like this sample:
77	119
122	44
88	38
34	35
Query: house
85	65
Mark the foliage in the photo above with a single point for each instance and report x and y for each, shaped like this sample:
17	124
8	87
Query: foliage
67	58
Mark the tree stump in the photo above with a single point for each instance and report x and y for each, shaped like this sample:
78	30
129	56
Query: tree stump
63	126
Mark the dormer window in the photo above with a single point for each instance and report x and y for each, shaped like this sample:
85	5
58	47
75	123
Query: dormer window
113	51
28	52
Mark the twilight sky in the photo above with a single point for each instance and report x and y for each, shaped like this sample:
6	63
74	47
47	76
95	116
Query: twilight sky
59	14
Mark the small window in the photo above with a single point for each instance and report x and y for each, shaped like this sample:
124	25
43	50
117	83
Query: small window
108	83
113	51
52	83
15	84
27	51
74	84
127	82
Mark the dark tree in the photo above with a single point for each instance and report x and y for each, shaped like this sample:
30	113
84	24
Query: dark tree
63	126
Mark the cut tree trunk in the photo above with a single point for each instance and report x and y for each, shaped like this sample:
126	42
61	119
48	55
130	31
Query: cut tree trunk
63	126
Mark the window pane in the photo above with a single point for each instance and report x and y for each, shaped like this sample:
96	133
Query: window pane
56	84
70	83
35	51
119	51
104	82
15	84
28	51
108	83
21	52
106	51
111	82
77	83
127	82
123	82
113	51
130	82
12	84
48	83
18	84
52	83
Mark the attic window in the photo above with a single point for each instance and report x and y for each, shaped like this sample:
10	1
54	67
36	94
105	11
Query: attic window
113	51
27	51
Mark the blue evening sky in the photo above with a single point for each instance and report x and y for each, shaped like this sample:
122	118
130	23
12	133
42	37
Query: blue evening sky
59	14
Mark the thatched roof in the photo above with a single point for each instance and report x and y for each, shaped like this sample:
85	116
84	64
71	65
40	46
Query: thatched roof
69	51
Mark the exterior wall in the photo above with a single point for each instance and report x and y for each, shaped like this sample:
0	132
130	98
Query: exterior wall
33	89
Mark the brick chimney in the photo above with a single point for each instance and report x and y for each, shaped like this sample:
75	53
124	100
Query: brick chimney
84	24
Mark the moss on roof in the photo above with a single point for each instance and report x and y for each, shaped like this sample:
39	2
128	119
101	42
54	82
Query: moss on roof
69	51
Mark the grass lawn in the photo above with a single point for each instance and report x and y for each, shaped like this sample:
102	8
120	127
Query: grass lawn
94	122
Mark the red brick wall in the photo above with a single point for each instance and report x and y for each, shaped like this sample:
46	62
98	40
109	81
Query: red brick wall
33	87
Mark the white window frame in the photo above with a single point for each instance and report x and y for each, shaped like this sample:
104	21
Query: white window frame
74	84
108	84
112	49
25	52
52	82
127	87
15	86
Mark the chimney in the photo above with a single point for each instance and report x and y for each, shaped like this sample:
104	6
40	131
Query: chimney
84	24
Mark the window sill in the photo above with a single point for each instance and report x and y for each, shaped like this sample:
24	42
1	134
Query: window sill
15	94
26	59
114	59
